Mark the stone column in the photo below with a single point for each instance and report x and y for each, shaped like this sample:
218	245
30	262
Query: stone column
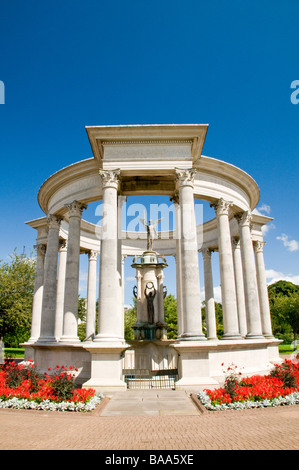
110	317
228	289
254	330
70	318
262	289
178	264
91	295
209	295
38	293
50	278
60	290
239	286
120	267
191	302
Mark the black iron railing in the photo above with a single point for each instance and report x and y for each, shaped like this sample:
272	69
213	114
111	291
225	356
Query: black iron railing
150	379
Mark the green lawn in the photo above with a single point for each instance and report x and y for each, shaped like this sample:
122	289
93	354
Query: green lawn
16	353
286	349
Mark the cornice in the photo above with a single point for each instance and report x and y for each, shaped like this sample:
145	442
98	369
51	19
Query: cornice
161	134
227	171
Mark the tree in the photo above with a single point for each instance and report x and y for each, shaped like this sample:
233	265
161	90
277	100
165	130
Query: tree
16	297
130	319
170	311
284	307
282	288
82	303
218	315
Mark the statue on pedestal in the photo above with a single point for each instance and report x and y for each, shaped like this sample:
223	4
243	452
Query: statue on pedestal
150	293
151	232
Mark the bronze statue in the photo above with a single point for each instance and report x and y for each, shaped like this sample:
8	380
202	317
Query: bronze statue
150	293
151	232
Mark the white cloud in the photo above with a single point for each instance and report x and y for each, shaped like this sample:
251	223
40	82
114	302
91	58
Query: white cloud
291	245
265	208
274	276
266	228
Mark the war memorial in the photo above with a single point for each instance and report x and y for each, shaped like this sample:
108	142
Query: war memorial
153	160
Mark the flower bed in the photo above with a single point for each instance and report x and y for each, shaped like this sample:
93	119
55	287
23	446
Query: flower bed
280	387
21	386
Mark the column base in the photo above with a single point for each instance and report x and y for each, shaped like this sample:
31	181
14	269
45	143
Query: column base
108	339
69	339
192	337
47	339
254	336
231	336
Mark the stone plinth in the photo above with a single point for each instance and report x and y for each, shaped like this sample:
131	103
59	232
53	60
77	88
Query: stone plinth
200	364
106	366
59	354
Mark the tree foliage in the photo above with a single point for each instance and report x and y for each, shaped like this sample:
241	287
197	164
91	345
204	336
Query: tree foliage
284	307
16	296
219	318
130	318
170	310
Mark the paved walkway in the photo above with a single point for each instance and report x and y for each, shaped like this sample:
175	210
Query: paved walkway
167	421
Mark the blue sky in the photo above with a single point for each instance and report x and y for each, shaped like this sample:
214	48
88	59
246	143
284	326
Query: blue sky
230	64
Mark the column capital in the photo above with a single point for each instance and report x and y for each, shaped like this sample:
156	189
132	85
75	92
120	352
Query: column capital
75	208
62	246
110	178
92	255
206	253
258	246
54	221
236	243
40	249
175	198
221	206
185	177
244	218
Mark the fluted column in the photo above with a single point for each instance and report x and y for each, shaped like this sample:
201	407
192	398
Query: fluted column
70	319
228	289
47	333
38	293
110	317
192	322
262	289
254	330
209	295
60	290
239	286
91	295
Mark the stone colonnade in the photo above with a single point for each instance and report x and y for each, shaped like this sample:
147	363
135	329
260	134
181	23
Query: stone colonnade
245	304
246	312
243	282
